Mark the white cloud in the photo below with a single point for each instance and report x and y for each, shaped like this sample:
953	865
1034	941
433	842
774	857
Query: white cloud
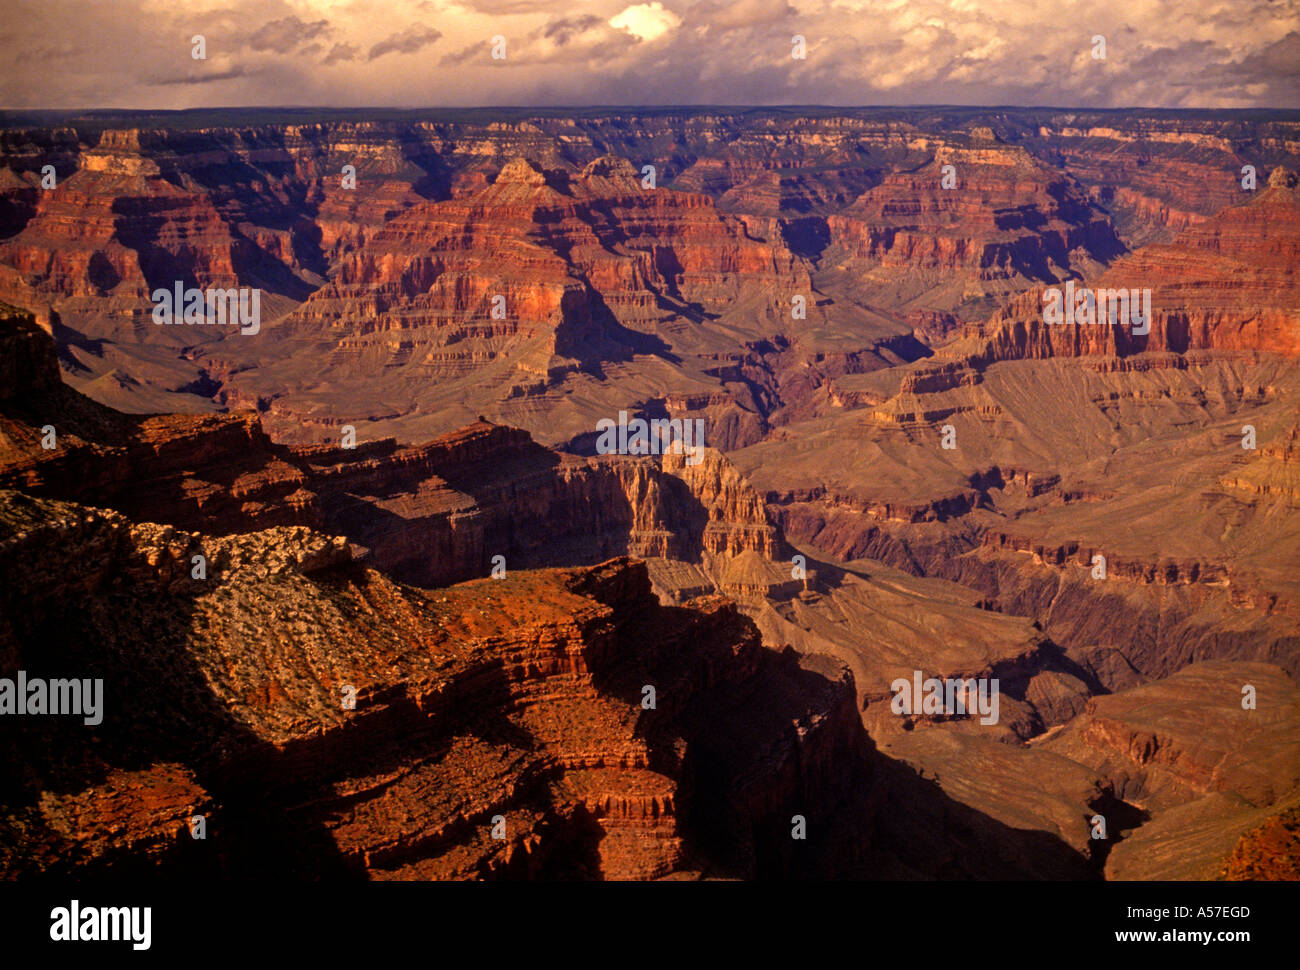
646	21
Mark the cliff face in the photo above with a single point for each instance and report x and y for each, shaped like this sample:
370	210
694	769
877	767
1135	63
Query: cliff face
1226	283
1061	439
979	221
377	296
501	729
1063	434
28	366
1157	745
430	514
571	258
113	230
498	727
1155	176
1195	771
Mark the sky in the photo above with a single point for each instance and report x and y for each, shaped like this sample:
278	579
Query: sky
435	53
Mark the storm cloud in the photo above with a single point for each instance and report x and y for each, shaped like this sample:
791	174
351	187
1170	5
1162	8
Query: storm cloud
1163	53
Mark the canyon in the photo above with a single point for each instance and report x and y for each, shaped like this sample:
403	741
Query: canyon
394	494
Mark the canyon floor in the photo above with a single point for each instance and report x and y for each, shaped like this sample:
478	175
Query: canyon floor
368	595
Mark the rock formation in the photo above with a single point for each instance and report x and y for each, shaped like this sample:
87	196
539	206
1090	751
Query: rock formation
978	222
571	664
327	721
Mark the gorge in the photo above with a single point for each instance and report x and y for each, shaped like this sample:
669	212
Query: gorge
398	485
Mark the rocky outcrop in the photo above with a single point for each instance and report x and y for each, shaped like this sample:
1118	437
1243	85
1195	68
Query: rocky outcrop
1226	283
567	259
1210	727
1158	176
977	222
318	714
27	363
1269	852
430	514
1193	770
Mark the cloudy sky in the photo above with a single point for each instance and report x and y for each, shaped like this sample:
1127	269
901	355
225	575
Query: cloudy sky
411	53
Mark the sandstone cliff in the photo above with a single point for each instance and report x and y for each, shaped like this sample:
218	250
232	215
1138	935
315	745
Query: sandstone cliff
498	728
1226	283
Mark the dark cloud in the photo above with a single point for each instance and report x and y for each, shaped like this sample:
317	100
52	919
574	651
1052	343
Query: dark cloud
47	53
498	8
741	13
562	31
468	54
282	36
411	40
342	52
182	79
1279	59
585	43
